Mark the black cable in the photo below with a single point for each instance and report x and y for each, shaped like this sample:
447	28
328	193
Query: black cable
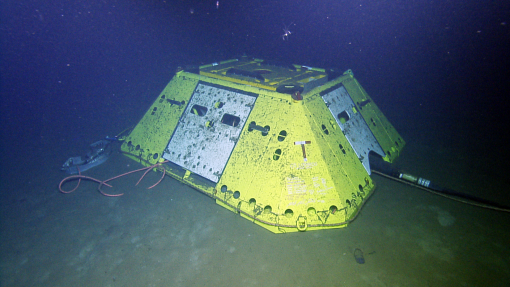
379	166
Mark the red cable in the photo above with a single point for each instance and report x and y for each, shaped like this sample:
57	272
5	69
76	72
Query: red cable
101	183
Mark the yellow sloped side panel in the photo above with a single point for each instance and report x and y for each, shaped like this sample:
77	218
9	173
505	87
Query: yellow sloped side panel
268	180
351	179
149	138
383	130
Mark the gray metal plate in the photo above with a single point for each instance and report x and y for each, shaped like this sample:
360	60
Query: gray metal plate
203	149
355	128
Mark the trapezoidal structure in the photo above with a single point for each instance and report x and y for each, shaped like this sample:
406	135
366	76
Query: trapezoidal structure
284	146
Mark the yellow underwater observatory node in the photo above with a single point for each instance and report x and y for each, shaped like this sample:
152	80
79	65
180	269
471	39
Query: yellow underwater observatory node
284	146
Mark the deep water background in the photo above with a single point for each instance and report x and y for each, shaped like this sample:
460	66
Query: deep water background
73	72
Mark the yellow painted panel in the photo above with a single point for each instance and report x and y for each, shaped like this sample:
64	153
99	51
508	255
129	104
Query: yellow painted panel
383	130
149	138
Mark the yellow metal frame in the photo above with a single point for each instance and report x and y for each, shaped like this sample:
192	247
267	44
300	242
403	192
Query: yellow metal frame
302	174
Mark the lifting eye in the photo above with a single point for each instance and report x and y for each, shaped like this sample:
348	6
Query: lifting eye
325	129
277	154
282	135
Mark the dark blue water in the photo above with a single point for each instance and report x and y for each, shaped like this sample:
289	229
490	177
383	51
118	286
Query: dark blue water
73	72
